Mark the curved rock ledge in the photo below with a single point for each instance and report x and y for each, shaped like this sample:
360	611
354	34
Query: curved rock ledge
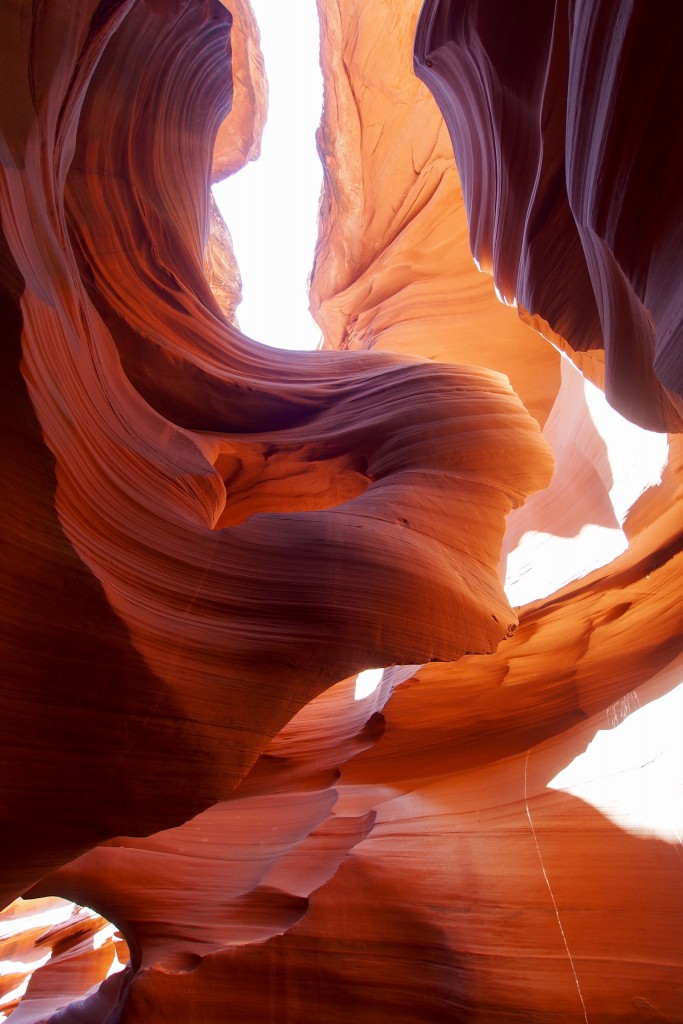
206	539
129	362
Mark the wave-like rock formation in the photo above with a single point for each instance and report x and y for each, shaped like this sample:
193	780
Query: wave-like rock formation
559	115
206	539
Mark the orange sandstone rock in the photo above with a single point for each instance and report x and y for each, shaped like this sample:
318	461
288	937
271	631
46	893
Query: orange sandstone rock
129	362
393	266
204	536
239	137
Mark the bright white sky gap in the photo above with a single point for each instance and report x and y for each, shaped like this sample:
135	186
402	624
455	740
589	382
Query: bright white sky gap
271	205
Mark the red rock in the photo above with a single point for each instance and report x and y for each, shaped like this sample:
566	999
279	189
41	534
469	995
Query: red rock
207	539
128	362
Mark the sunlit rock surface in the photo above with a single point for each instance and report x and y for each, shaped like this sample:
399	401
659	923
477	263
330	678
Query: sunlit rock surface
207	540
393	265
239	138
220	266
69	948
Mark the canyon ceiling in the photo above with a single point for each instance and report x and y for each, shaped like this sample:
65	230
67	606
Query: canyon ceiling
205	539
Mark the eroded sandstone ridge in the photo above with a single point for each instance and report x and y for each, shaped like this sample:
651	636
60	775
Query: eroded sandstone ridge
206	539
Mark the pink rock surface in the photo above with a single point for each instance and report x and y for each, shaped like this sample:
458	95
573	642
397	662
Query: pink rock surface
207	539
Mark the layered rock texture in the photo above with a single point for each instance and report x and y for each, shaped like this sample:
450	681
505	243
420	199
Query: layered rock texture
559	115
206	540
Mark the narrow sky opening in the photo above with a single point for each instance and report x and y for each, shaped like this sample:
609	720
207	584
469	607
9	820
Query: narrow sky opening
367	682
632	770
271	205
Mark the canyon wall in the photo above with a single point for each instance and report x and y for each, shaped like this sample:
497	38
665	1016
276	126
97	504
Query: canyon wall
206	540
560	115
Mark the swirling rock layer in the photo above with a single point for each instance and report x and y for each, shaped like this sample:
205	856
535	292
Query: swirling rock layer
558	115
208	539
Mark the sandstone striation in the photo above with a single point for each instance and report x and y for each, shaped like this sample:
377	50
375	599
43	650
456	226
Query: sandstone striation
559	115
207	539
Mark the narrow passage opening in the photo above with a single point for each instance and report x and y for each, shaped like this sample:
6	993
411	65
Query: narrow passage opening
271	205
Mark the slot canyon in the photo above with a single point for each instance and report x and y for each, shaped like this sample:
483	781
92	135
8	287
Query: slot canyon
474	487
